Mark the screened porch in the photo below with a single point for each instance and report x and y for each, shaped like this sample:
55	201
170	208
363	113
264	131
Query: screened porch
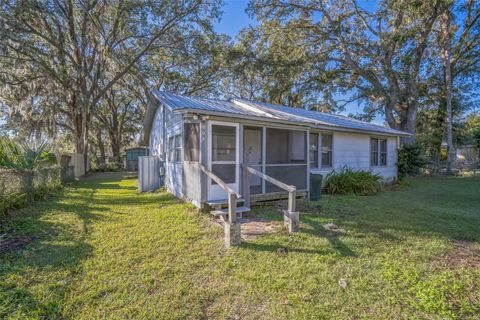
276	152
279	153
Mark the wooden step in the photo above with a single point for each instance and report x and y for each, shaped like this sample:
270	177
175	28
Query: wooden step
222	202
224	212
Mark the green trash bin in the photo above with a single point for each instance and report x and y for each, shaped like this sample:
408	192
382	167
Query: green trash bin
315	186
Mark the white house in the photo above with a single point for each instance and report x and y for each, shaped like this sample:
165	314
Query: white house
196	138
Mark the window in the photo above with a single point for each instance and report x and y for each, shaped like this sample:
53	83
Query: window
327	140
191	134
178	149
174	148
313	150
383	152
170	148
374	152
378	152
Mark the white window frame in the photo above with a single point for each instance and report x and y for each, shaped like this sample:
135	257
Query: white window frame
320	154
379	152
175	148
171	146
317	164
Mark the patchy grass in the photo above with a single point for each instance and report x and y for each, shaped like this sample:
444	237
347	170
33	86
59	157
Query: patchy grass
101	250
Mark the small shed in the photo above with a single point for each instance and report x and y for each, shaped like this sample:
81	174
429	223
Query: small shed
131	157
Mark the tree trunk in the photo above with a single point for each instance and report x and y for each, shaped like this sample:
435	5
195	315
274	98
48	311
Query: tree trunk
101	148
115	139
81	136
445	33
116	144
408	124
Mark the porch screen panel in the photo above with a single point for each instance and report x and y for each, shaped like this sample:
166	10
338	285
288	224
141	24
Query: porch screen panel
286	146
226	172
291	175
224	153
191	143
286	158
252	155
224	143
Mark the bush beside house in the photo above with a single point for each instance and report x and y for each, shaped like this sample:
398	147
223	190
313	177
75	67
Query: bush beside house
411	160
349	181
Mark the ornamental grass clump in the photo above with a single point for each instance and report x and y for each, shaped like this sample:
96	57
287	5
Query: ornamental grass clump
349	181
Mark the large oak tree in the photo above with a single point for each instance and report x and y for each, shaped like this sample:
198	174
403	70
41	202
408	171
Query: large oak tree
55	54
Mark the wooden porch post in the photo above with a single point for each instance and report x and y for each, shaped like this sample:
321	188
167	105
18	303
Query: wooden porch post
290	217
232	228
246	186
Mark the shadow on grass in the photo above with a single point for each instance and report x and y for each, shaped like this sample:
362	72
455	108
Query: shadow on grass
313	227
114	186
56	249
57	231
437	207
336	244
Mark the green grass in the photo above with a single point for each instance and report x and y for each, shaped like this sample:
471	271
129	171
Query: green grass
101	250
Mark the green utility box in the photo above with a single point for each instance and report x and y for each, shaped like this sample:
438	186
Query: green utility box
315	186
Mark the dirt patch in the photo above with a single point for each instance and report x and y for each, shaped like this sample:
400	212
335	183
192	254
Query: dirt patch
254	227
9	244
332	229
464	253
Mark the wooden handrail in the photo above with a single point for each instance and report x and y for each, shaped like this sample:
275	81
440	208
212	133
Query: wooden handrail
219	181
274	181
290	216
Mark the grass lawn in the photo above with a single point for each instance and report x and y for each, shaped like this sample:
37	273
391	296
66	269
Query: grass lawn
101	250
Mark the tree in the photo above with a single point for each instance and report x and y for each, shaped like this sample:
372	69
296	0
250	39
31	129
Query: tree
269	63
377	54
472	125
194	67
445	27
120	117
56	53
463	44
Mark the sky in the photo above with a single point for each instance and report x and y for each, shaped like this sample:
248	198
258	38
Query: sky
235	18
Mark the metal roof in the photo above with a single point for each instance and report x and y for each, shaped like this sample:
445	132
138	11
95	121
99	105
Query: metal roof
178	102
321	118
243	107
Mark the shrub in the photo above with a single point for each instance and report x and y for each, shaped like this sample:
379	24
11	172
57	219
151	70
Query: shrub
20	200
349	181
107	167
19	188
410	160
